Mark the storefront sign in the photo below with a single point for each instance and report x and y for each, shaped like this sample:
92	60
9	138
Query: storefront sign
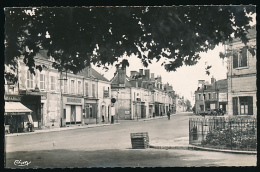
12	97
222	97
17	113
106	93
73	100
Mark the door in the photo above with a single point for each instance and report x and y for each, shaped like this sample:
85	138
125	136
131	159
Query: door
78	114
68	114
73	114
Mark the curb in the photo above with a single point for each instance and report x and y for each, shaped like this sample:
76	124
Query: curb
59	129
223	150
192	147
169	147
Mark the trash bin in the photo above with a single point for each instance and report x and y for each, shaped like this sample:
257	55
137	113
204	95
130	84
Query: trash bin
140	140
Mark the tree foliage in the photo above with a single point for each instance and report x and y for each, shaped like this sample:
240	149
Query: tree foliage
77	37
188	105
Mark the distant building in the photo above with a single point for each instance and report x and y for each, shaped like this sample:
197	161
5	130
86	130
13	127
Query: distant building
241	75
140	95
211	96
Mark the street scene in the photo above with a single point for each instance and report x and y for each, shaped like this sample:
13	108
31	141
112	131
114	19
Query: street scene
110	146
130	86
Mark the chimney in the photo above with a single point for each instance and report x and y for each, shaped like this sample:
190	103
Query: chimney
141	72
213	80
152	76
147	74
121	76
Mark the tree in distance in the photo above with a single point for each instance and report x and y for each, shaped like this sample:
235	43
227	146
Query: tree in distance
79	36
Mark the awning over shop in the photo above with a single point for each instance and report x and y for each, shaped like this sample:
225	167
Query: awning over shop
16	108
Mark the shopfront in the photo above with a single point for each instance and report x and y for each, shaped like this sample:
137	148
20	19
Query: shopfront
73	110
17	116
91	111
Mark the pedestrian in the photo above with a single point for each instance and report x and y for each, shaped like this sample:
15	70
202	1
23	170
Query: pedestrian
169	115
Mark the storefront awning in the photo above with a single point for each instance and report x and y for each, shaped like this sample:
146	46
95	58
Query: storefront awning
16	108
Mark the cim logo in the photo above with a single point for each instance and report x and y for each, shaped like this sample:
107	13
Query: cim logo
21	163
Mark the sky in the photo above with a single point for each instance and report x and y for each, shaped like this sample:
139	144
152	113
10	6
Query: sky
185	79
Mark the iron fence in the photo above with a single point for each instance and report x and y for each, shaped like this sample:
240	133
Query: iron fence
236	133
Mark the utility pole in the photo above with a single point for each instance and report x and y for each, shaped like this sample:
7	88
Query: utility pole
61	97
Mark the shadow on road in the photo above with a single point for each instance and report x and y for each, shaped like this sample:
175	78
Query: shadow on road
61	158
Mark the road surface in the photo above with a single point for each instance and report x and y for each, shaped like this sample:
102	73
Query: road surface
110	146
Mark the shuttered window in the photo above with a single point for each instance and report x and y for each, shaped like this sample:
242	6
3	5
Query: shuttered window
53	85
86	89
42	81
29	80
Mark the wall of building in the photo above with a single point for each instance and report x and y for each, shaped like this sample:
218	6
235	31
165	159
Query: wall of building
242	80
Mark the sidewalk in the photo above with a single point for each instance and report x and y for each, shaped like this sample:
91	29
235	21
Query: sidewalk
73	127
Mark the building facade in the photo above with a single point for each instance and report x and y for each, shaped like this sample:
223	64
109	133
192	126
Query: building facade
241	75
61	99
140	95
211	96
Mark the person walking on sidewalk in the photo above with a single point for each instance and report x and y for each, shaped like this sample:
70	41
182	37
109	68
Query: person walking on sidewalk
169	115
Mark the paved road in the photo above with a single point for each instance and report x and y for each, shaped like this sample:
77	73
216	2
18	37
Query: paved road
110	146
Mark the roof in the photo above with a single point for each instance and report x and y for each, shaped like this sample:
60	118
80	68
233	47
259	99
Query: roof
128	83
221	85
15	107
97	75
42	54
251	34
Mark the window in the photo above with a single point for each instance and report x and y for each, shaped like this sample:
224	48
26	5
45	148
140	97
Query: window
79	87
86	88
246	105
29	79
72	87
199	96
214	95
93	90
53	83
42	81
209	96
204	96
240	58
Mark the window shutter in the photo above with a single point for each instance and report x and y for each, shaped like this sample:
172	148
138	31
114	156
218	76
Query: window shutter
44	82
244	57
250	105
235	106
235	60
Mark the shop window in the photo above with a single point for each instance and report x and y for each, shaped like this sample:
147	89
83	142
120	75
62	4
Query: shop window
42	81
29	80
53	83
240	58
